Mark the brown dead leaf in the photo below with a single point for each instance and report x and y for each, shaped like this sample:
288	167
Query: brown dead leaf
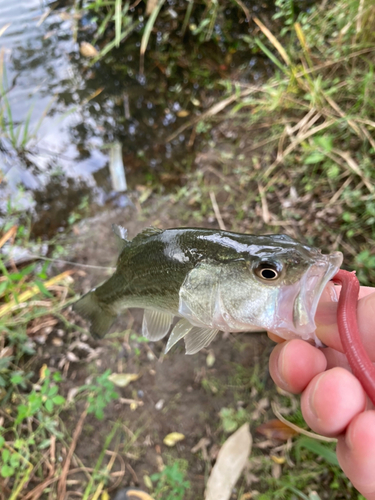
229	465
274	429
151	5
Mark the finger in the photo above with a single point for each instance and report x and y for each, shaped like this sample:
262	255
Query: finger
356	453
332	400
335	358
327	330
363	290
275	337
294	363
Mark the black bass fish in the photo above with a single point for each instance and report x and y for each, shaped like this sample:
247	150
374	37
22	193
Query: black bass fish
213	280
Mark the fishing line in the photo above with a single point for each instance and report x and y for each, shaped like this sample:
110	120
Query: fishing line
59	261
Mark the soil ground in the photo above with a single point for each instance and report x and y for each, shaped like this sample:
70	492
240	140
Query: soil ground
174	393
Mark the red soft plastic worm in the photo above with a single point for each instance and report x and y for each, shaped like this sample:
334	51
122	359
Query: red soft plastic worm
358	358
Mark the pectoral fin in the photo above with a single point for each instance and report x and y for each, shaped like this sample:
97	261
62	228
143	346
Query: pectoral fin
156	324
198	293
198	338
181	329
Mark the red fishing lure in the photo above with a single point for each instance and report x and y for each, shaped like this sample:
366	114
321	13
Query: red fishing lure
358	358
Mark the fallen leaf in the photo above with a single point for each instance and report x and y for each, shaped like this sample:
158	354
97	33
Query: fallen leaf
72	394
183	113
230	462
173	438
105	495
210	360
123	379
148	482
88	50
42	372
275	429
278	460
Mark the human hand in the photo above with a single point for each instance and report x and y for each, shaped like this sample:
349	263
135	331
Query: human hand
333	401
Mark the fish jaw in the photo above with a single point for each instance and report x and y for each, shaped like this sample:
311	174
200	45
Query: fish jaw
298	320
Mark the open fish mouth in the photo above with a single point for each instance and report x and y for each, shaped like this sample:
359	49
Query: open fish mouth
299	321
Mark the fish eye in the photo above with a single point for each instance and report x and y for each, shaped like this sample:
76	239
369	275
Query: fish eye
268	271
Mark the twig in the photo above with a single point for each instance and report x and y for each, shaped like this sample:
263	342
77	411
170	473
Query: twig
354	168
133	473
341	113
359	16
61	488
295	143
119	473
223	178
339	192
245	9
214	110
265	212
109	466
8	235
215	206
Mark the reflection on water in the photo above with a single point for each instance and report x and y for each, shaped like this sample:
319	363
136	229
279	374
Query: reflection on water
77	112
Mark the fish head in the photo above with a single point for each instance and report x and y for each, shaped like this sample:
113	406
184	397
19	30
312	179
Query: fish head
281	287
274	284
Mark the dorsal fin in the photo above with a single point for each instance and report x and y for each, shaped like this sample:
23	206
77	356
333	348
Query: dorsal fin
146	233
121	236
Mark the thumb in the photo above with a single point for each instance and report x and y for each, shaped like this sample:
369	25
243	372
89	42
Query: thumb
326	321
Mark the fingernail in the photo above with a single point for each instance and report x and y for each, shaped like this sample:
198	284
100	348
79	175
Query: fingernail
329	293
281	363
326	314
312	396
349	438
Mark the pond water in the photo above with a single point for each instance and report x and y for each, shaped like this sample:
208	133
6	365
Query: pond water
67	114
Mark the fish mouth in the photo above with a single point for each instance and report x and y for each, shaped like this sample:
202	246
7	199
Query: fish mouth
311	288
298	321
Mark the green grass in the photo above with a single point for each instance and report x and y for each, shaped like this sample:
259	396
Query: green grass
170	483
306	162
31	400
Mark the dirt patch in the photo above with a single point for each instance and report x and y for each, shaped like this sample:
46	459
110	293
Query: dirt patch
174	393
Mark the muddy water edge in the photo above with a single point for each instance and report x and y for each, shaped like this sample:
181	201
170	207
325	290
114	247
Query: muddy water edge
63	113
